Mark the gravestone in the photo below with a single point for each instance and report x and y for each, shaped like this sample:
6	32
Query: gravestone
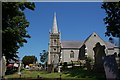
19	67
59	69
88	65
111	68
2	66
99	54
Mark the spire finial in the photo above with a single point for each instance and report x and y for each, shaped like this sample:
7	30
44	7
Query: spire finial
54	13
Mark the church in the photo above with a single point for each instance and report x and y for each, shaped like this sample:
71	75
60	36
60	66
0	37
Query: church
67	51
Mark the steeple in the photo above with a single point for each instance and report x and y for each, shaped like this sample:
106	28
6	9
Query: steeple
55	29
54	47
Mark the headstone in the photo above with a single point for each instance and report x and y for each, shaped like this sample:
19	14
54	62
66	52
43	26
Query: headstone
88	65
19	67
2	66
59	69
111	68
99	54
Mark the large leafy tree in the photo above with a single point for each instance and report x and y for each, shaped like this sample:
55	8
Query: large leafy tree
29	60
43	56
14	26
112	19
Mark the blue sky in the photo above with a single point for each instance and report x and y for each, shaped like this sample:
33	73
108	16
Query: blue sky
76	21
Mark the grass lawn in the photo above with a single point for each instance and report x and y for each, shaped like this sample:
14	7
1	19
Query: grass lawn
68	74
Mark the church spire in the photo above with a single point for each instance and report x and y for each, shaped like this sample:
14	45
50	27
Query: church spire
55	29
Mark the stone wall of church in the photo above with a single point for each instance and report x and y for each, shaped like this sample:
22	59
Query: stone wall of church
66	55
90	44
117	50
110	51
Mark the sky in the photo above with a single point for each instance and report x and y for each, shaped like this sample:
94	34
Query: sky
75	20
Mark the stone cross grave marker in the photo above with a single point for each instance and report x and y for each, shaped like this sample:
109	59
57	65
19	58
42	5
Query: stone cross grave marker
99	54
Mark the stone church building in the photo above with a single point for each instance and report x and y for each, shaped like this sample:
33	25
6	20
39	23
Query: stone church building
67	51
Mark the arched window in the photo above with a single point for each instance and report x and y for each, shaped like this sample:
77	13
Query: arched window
55	42
72	54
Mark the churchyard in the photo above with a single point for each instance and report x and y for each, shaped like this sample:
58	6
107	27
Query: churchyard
92	59
67	74
103	67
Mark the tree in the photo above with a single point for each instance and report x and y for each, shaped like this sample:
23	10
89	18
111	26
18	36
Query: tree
14	24
111	40
43	56
29	60
112	19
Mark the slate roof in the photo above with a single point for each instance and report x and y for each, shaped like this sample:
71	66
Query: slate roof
110	45
71	44
78	44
